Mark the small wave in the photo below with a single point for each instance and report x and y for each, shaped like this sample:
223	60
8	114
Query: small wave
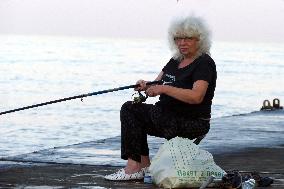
99	152
259	112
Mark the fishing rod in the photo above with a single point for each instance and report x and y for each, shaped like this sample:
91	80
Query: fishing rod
80	96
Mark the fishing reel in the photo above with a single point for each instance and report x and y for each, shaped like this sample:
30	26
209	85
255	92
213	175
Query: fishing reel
138	97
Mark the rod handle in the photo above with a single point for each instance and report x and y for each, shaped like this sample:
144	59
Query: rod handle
159	82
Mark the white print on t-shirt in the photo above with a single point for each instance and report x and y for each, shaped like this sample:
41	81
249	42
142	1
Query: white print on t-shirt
170	78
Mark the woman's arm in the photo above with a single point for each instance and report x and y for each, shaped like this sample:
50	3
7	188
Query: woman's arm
191	96
142	83
159	76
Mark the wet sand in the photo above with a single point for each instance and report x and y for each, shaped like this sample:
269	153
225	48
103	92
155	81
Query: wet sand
267	161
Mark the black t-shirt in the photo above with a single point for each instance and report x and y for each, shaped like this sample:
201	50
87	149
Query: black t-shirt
202	68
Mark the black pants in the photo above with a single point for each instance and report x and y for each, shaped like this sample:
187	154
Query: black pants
138	120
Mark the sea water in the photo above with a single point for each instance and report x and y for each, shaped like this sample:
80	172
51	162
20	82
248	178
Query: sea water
35	69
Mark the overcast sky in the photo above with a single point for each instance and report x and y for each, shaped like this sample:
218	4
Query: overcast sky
239	20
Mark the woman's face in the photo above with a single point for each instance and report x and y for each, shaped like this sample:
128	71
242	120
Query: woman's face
188	46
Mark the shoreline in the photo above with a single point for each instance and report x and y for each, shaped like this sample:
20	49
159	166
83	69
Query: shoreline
267	161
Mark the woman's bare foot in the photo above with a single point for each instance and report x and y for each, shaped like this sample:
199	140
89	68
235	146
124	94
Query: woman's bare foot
132	166
145	161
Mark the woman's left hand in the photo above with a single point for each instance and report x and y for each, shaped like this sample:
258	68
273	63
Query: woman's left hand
155	90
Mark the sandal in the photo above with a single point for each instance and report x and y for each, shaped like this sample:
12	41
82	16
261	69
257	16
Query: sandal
120	175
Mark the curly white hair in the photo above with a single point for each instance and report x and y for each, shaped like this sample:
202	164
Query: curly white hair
190	26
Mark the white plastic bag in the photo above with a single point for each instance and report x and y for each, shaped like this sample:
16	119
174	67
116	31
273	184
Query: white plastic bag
180	163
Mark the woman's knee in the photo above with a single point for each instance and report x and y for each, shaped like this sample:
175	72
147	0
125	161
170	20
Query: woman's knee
125	107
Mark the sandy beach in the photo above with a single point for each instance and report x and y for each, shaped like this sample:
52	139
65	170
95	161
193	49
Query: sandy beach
267	161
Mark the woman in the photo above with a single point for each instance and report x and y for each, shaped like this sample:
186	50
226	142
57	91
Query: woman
184	106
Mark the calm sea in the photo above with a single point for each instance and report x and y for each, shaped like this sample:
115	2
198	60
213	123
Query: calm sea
35	69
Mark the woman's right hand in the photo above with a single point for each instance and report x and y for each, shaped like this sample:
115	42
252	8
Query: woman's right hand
142	85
